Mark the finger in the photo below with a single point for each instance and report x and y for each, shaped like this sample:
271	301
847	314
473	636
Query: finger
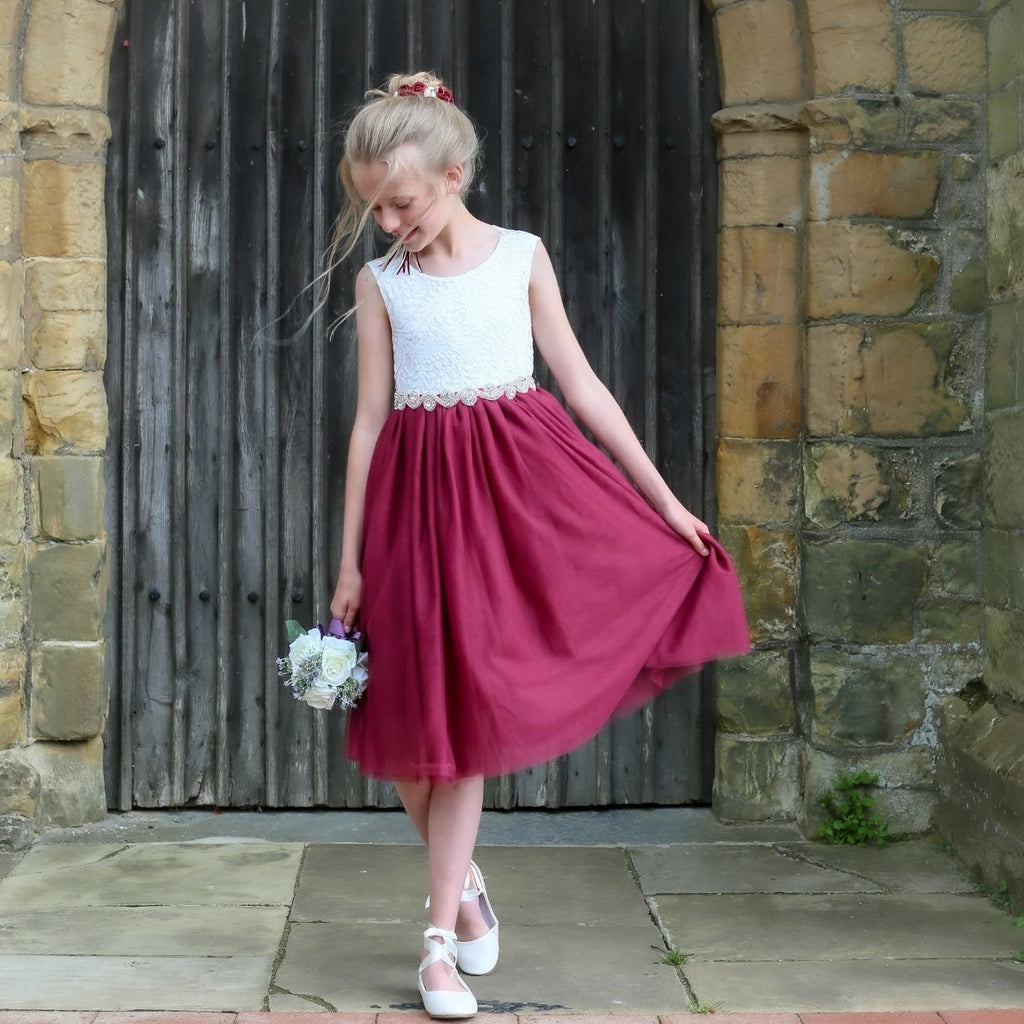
697	543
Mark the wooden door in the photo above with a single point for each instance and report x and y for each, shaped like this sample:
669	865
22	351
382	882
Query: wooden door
227	452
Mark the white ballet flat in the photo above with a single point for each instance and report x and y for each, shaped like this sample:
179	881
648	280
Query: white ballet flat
439	1002
478	956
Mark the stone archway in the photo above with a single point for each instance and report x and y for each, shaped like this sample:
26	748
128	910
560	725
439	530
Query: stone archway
849	260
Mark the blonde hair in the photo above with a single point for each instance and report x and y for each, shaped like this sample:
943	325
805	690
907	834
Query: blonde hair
444	135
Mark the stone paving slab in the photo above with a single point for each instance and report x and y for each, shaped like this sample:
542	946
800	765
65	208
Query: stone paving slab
145	931
546	967
608	826
702	868
7	862
527	886
913	866
857	985
134	983
753	927
152	874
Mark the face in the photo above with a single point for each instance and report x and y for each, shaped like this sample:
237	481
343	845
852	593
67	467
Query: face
412	204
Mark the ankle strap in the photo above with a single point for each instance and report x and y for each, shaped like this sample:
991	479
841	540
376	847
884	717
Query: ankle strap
444	950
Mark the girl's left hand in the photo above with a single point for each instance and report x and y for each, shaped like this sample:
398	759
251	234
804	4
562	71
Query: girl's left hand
687	525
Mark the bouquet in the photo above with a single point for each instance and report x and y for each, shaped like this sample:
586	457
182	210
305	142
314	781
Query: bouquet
324	665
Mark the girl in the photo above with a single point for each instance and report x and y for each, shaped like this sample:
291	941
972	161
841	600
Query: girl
516	591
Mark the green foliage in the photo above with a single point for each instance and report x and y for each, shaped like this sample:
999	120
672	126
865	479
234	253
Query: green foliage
708	1007
851	820
674	957
1019	956
294	629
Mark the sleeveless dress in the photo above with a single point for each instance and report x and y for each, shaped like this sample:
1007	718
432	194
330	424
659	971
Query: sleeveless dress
518	591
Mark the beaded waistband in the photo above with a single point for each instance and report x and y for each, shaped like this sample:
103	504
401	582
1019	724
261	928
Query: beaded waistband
467	396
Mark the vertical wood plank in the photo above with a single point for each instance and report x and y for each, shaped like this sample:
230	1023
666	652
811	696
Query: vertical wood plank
204	239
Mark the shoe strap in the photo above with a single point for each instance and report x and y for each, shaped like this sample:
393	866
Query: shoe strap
444	950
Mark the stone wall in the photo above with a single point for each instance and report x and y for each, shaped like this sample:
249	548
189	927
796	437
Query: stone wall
982	769
850	361
857	330
54	56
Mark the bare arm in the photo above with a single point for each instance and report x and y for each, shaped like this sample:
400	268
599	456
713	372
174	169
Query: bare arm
594	404
376	386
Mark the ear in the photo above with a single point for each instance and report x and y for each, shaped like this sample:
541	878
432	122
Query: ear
453	179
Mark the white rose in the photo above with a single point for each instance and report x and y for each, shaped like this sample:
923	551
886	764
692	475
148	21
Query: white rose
338	660
360	671
304	646
320	695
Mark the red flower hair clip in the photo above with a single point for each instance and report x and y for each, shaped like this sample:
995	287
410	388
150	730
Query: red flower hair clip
420	89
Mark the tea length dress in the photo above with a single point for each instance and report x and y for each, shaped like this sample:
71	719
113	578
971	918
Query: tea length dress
518	591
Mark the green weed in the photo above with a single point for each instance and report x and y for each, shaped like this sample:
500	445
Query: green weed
851	820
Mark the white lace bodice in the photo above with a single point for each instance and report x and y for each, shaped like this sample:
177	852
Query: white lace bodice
463	337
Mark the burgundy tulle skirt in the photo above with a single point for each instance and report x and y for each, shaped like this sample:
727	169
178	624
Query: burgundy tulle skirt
518	593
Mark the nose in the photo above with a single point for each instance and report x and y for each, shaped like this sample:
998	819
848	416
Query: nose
389	222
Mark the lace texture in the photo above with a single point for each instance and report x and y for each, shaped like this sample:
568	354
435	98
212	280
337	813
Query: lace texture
468	396
457	339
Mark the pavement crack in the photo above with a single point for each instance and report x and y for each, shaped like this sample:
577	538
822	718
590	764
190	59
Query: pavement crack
282	945
801	857
317	1001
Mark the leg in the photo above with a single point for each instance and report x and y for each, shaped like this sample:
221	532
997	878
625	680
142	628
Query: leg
415	797
453	817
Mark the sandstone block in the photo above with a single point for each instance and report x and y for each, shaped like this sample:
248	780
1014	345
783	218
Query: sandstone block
64	132
949	620
10	387
968	294
12	684
1002	553
1005	44
1004	640
753	695
8	208
12	501
857	184
742	134
865	698
67	52
65	412
11	595
67	592
11	291
1003	342
762	190
67	691
851	483
863	268
895	384
17	832
863	591
62	212
756	780
766	562
71	781
945	55
19	784
954	568
759	481
846	121
67	497
11	13
904	797
964	166
1004	496
958	491
852	45
944	120
1005	215
760	374
8	75
1004	121
759	275
75	340
759	52
56	286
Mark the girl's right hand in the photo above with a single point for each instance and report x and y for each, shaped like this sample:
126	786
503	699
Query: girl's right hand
347	597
